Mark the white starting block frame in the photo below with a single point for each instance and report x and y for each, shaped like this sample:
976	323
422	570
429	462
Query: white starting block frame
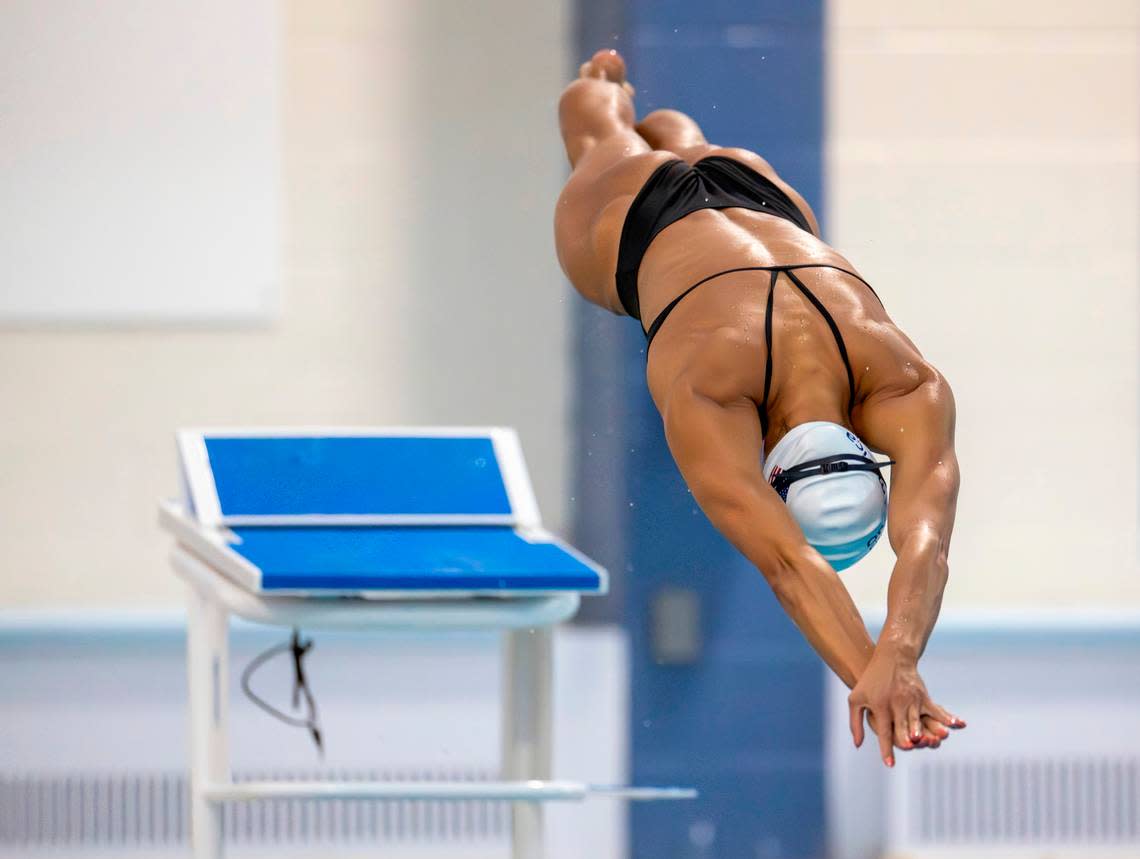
380	528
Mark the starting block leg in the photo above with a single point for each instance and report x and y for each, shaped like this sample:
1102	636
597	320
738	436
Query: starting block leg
527	728
208	663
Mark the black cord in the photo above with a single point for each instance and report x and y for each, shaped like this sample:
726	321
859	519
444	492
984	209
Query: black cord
301	691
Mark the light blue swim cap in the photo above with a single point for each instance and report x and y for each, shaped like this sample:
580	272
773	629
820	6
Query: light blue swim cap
832	486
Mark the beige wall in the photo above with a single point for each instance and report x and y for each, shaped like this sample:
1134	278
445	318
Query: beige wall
420	285
984	163
983	172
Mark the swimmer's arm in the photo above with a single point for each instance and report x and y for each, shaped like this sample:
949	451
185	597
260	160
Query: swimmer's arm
917	431
716	441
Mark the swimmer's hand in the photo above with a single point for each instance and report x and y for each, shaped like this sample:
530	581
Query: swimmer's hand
897	706
607	65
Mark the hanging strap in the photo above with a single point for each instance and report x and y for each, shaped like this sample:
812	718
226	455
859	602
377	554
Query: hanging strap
302	694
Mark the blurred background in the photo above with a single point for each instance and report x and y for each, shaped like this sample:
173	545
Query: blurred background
275	213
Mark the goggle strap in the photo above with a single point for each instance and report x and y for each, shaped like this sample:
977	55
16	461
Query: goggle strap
815	467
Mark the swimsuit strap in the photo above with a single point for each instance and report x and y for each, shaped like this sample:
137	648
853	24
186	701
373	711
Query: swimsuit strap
776	271
803	265
660	320
830	320
763	407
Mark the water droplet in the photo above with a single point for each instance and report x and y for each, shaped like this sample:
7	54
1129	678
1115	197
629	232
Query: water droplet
702	834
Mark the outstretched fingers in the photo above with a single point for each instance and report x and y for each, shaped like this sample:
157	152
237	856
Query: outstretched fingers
855	718
934	732
883	728
914	729
905	736
880	724
917	724
942	715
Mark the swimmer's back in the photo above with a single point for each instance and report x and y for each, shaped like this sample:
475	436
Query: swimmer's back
726	317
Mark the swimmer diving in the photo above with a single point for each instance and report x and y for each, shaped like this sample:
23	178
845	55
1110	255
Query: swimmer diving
779	376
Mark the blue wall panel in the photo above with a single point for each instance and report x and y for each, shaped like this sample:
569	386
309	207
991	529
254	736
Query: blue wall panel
744	724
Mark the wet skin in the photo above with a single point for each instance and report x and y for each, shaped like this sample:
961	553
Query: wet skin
705	372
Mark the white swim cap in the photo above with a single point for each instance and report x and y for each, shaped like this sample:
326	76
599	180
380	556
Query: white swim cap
832	486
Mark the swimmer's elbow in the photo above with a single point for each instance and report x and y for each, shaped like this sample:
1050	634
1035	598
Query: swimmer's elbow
790	560
790	573
779	557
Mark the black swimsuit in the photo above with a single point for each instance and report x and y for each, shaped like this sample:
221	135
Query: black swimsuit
677	189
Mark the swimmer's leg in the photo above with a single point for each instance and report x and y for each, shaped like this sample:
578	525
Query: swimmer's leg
671	130
596	115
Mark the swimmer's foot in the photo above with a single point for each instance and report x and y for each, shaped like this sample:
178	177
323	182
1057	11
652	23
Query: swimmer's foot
607	65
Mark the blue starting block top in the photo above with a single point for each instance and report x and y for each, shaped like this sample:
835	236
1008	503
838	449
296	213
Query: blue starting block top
436	510
411	476
407	558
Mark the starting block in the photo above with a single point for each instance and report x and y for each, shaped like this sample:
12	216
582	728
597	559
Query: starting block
432	528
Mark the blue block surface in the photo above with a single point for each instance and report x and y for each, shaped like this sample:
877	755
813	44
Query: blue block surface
436	558
294	476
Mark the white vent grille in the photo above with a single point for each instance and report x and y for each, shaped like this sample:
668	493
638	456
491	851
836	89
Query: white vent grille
1026	802
87	810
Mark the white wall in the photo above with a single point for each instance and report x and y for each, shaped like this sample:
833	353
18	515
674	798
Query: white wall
141	146
984	174
420	285
1044	787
